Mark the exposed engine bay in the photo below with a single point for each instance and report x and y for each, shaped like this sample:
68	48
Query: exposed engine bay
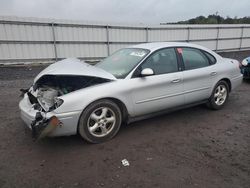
49	87
45	97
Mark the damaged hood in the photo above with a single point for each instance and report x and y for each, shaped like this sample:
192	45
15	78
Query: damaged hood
73	66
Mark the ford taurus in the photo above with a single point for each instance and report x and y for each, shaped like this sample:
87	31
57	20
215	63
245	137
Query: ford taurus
70	96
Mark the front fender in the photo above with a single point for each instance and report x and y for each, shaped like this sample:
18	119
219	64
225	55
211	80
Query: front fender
80	99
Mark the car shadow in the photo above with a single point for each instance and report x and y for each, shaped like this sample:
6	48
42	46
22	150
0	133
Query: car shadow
170	116
176	118
246	81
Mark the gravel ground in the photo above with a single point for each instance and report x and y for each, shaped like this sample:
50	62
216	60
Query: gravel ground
194	147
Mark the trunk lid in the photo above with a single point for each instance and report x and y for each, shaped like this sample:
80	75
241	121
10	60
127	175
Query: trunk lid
231	60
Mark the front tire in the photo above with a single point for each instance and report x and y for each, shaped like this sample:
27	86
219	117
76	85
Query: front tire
219	96
100	121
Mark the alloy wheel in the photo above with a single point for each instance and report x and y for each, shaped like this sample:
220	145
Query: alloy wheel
101	122
220	95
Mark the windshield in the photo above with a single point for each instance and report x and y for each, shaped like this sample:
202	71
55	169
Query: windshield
123	61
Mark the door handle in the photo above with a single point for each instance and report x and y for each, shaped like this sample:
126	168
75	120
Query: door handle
213	73
176	80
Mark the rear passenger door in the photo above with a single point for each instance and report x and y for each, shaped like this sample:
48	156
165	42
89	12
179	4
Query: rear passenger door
197	71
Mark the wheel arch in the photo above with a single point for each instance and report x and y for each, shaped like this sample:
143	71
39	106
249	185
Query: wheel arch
122	107
228	83
120	104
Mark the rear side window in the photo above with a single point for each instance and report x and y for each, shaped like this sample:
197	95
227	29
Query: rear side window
210	57
193	58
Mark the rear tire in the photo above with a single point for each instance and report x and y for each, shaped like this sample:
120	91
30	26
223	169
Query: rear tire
219	96
100	121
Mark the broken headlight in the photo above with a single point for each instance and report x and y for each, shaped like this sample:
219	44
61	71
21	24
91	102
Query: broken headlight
51	106
58	102
48	99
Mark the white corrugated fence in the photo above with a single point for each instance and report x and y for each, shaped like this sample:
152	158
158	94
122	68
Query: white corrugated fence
44	40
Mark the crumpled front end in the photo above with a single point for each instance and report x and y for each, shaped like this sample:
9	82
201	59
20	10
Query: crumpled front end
41	101
44	123
38	107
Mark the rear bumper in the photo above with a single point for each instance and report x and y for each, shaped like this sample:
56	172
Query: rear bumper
69	120
236	81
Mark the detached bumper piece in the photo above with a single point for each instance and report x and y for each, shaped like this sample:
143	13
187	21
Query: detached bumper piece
41	127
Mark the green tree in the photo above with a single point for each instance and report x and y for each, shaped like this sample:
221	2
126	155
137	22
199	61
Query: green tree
214	19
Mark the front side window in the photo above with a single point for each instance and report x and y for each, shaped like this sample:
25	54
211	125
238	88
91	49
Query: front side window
162	61
193	58
123	61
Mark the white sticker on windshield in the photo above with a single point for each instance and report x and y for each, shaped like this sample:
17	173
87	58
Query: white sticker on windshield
139	53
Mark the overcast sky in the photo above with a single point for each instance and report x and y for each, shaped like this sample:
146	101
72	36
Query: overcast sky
124	11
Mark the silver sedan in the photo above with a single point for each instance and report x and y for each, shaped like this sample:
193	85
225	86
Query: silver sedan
71	97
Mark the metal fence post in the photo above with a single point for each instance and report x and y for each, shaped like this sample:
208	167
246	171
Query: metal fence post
217	38
188	34
107	33
241	36
147	34
54	40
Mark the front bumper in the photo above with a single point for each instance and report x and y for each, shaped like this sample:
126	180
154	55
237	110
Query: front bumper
245	71
68	120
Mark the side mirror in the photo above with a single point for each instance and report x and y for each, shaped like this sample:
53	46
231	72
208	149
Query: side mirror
147	72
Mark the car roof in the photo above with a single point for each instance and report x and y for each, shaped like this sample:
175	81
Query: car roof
152	46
